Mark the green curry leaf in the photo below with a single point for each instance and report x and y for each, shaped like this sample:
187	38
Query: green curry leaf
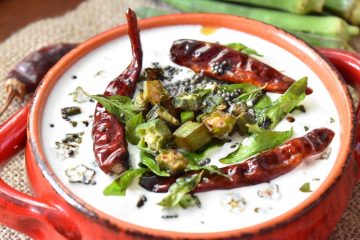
263	103
179	190
149	162
245	87
118	186
256	143
200	155
210	168
249	92
119	106
285	103
244	49
189	200
130	127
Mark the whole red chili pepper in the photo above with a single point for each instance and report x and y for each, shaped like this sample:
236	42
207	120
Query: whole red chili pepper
226	64
27	74
261	168
108	133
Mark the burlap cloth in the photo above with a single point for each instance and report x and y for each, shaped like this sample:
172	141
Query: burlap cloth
88	19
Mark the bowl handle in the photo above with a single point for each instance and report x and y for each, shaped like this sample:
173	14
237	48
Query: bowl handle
30	215
348	64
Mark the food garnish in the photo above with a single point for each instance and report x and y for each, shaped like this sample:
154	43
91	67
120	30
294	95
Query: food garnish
176	123
305	188
108	133
229	65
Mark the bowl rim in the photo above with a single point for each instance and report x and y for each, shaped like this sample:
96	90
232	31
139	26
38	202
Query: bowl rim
276	36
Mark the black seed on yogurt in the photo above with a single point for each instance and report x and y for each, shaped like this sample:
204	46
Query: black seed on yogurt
73	77
140	203
71	153
266	123
204	161
169	216
155	64
52	125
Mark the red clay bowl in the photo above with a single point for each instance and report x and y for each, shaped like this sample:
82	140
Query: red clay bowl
56	213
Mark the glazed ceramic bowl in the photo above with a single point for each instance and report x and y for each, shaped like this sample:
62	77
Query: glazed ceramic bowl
66	211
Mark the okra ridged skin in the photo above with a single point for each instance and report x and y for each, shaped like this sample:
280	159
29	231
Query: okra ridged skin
348	9
313	39
294	6
329	26
321	41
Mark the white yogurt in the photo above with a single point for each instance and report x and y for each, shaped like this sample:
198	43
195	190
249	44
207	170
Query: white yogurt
95	70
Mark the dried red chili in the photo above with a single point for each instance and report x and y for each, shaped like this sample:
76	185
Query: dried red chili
27	74
110	145
226	64
261	168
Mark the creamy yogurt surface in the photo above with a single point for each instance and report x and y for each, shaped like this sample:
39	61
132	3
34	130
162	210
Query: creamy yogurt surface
220	210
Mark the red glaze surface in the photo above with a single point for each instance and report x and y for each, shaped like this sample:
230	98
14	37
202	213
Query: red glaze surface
348	64
13	134
258	169
56	214
232	65
110	146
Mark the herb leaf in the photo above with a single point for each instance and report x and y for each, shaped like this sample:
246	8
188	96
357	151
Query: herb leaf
200	155
285	103
119	106
256	143
149	162
245	87
305	188
189	200
244	49
249	92
130	127
264	102
210	168
118	186
179	190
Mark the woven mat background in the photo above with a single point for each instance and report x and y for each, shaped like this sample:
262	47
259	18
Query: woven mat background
88	19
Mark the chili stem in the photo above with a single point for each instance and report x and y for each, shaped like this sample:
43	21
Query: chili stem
14	88
8	100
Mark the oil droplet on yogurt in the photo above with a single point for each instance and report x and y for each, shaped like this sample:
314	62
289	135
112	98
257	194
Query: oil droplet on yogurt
208	30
